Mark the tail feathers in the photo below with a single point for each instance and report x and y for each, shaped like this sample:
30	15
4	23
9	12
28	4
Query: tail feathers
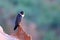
15	27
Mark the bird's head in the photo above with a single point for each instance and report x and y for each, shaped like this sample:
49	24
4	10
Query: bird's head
22	13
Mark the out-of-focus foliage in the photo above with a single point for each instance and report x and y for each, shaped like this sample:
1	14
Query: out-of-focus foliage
39	11
45	13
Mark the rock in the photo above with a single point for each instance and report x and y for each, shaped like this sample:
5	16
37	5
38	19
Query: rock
4	36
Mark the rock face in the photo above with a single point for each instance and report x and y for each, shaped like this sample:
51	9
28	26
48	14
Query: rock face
19	35
4	36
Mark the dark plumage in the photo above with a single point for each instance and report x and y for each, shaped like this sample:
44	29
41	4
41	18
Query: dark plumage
18	19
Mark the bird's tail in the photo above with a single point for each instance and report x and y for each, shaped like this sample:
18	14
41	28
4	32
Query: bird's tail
15	27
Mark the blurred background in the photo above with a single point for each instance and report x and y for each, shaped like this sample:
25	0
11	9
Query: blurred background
41	21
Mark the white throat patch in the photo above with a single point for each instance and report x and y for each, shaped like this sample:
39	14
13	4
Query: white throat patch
22	15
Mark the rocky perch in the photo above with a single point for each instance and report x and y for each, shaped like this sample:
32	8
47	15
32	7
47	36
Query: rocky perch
19	35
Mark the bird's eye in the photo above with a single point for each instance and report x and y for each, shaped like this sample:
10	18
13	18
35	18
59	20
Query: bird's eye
22	12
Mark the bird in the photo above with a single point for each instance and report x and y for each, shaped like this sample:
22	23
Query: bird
18	19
